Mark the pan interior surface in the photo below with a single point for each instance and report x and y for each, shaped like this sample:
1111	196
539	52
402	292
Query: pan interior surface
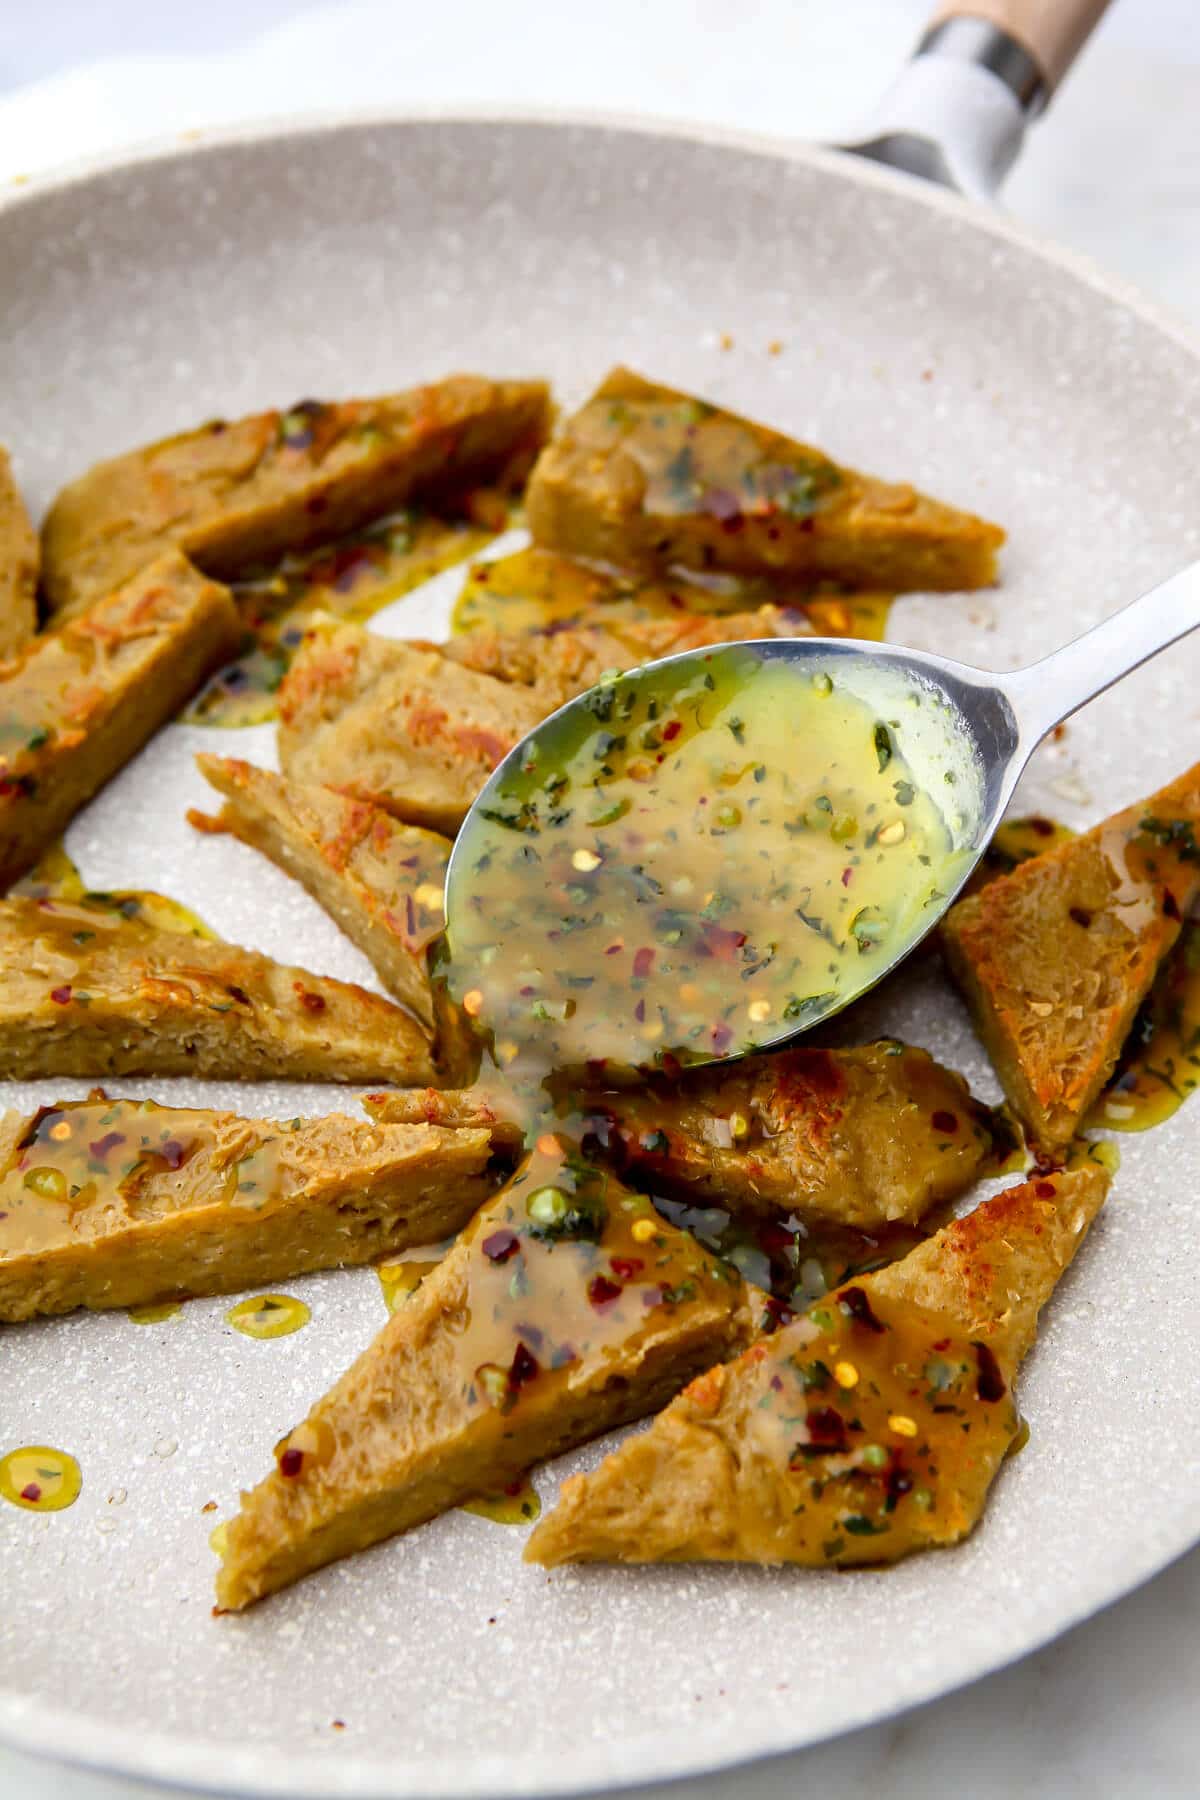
856	312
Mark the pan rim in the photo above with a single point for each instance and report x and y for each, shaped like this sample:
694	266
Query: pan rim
61	1735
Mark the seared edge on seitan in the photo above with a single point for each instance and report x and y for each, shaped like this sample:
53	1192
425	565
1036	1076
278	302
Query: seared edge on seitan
77	703
560	664
84	993
121	1202
865	1137
398	725
18	565
870	1427
381	881
565	1309
237	494
645	477
1055	958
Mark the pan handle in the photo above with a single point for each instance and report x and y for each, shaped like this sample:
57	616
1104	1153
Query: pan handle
957	113
1051	33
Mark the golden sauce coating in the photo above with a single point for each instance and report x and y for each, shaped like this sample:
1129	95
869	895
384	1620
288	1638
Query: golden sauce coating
666	879
542	591
1056	957
645	477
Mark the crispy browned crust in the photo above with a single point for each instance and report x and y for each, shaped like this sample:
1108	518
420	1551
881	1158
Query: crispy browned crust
240	1202
405	1433
82	993
355	860
77	703
18	565
561	664
612	486
1055	958
704	1484
398	725
864	1137
455	1109
235	494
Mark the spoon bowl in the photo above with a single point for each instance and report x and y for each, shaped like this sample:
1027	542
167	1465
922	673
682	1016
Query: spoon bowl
958	734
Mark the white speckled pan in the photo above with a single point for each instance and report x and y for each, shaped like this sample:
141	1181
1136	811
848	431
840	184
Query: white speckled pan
918	340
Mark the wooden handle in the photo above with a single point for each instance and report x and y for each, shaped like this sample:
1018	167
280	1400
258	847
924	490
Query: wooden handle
1052	31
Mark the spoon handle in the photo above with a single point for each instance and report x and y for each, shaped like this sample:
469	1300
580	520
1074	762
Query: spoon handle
1049	691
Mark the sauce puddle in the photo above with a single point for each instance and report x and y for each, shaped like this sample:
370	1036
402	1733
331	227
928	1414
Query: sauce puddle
56	877
537	590
268	1316
1159	1067
353	578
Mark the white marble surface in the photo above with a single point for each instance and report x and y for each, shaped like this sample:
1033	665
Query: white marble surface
1114	169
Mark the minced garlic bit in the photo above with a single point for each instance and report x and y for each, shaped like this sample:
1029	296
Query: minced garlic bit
642	1230
891	834
845	1374
902	1425
472	1001
759	1010
739	1125
429	897
585	861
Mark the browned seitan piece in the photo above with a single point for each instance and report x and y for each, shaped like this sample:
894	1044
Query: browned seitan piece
83	992
122	1202
18	565
560	664
453	1109
1055	958
870	1427
383	882
77	703
398	725
236	494
864	1138
647	478
566	1308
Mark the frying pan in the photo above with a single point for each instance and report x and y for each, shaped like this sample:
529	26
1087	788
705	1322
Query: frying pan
916	335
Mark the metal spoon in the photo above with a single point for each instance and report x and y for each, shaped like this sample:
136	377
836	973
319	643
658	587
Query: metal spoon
973	728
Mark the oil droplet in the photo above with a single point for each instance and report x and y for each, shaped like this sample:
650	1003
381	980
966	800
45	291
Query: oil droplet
1020	1440
268	1316
517	1504
39	1479
400	1279
218	1537
154	1315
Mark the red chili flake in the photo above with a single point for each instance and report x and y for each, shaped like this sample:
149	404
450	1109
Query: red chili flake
989	1383
533	1335
238	994
1170	907
524	1366
500	1245
613	949
859	1307
315	1003
173	1153
643	962
719	943
671	1066
944	1121
626	1267
31	1491
61	996
671	729
102	1146
602	1292
1043	827
847	876
410	915
826	1429
639	1012
651	1296
1045	1190
774	1236
899	1483
722	1037
942	1344
290	1463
